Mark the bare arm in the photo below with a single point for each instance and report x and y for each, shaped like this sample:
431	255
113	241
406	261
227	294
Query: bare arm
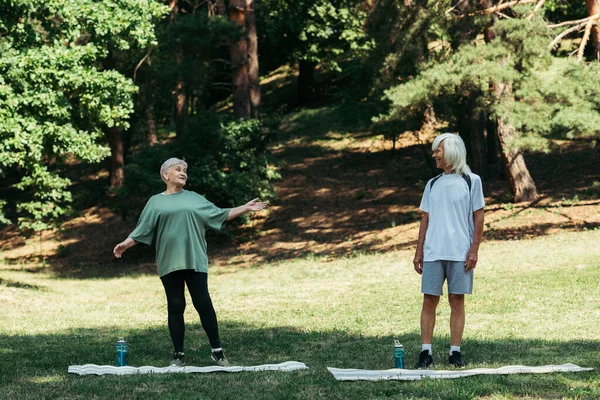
418	261
252	205
123	246
478	218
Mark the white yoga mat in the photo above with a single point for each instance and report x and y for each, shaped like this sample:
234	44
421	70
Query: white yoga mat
416	374
93	369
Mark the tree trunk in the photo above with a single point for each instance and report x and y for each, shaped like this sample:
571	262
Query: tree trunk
491	137
306	79
239	61
253	73
427	129
152	136
593	8
476	136
115	138
221	9
117	156
519	179
181	106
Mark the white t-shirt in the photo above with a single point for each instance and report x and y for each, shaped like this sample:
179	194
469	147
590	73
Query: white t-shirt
450	207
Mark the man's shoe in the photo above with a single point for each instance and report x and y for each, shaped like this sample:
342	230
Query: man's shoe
178	360
456	360
425	360
219	358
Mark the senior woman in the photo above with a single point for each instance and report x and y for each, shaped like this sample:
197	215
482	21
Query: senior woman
175	221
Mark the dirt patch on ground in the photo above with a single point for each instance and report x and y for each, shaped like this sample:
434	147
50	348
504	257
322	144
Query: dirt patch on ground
339	195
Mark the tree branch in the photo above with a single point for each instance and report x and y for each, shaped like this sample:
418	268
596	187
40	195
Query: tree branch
563	34
587	22
140	63
579	21
536	8
455	6
501	14
499	7
586	35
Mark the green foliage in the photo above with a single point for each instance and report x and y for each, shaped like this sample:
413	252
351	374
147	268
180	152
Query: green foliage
228	162
322	31
54	97
193	48
403	36
549	96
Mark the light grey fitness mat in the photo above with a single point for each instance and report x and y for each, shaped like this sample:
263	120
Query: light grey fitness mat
416	374
93	369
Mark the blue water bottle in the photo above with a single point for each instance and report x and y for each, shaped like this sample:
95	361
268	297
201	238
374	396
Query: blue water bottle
398	355
121	352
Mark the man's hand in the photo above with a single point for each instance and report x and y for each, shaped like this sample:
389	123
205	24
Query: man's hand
418	262
471	261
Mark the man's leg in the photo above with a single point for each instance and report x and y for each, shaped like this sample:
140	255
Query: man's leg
430	303
457	318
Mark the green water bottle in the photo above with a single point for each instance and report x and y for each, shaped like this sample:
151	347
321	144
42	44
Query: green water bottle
398	355
121	348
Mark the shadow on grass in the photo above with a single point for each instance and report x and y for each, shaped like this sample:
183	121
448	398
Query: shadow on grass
35	366
18	285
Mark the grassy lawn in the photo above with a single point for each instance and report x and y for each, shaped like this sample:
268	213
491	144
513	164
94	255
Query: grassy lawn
536	302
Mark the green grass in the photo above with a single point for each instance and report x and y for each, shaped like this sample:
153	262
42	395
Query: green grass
536	302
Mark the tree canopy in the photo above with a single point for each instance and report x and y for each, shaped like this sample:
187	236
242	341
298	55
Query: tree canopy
55	98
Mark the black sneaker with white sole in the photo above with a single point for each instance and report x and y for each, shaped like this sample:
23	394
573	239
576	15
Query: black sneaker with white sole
456	360
219	358
425	360
178	360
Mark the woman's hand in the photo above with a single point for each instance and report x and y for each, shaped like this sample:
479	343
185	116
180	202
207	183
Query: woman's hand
123	246
255	205
252	205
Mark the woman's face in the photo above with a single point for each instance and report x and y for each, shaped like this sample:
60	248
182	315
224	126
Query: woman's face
177	175
439	156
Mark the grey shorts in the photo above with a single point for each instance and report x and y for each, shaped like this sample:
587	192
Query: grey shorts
436	272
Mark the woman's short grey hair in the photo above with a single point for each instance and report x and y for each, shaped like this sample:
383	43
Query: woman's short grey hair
455	152
167	165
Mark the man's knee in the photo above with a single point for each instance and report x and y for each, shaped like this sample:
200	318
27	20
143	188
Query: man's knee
457	301
430	302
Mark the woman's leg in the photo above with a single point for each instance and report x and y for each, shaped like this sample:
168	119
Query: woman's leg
197	283
174	289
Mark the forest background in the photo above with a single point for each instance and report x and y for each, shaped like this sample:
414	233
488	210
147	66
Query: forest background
326	109
105	91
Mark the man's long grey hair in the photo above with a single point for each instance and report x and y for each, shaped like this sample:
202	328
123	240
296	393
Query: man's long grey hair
455	152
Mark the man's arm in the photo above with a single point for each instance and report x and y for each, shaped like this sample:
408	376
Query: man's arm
471	261
418	260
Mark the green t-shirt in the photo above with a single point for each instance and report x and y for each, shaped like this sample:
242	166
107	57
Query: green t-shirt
176	225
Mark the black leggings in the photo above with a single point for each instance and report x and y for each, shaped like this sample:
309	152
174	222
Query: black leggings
198	287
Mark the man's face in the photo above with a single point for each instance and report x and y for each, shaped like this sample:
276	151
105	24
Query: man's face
438	155
177	175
